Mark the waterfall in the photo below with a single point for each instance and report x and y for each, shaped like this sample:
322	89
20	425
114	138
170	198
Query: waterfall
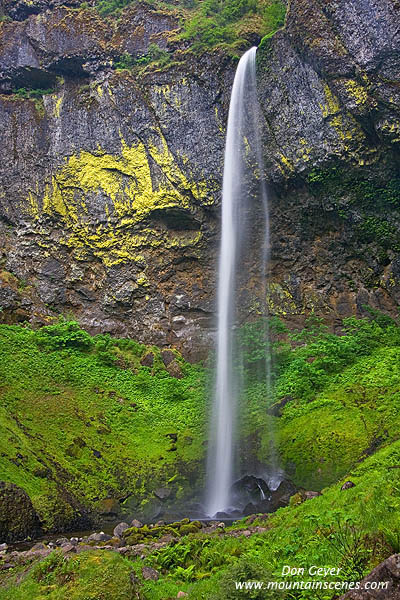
243	170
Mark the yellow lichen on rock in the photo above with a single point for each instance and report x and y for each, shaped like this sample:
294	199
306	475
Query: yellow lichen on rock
347	129
129	187
356	91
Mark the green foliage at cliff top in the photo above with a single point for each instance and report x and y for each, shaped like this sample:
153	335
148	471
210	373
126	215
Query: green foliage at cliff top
67	396
211	23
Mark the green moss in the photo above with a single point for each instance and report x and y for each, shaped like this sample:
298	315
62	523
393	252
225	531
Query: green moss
90	405
374	202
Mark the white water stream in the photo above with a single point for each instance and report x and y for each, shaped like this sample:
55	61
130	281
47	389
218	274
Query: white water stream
243	146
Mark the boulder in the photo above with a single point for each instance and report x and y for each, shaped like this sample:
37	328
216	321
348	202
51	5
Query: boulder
136	523
281	496
167	357
18	518
387	571
175	370
119	529
99	537
149	573
147	360
347	485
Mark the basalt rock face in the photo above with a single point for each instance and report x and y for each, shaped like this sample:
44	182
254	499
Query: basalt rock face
110	183
330	103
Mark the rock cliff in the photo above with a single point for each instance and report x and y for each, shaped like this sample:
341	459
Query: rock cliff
330	99
109	201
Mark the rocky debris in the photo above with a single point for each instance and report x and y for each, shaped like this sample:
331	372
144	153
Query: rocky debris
137	542
64	540
3	548
387	571
149	573
347	485
18	518
119	530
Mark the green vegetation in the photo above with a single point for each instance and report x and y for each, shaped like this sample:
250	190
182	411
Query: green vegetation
338	396
338	399
154	54
215	23
353	529
33	93
106	422
224	22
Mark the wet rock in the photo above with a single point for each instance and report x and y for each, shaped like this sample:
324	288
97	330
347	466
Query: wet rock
250	488
347	485
162	493
281	496
149	573
119	530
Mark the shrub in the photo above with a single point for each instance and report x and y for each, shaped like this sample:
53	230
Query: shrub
66	334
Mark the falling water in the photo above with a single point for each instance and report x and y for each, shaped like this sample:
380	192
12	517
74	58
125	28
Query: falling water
242	166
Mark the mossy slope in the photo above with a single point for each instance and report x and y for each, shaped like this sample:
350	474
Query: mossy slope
77	429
